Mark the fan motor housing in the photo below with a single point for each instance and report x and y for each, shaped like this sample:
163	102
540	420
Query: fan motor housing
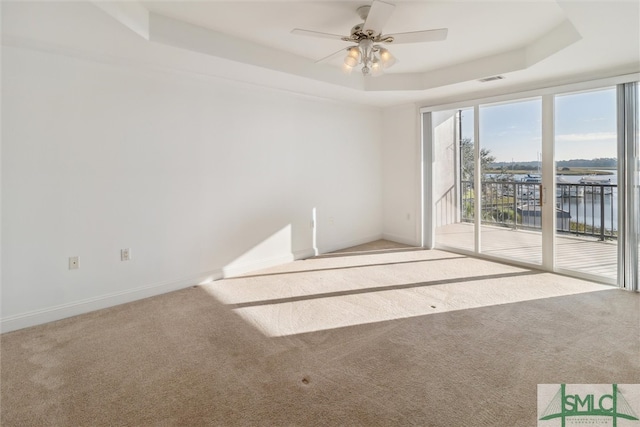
358	33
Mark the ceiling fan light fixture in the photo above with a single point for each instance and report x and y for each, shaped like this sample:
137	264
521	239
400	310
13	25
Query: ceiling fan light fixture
354	52
346	69
373	58
350	61
365	46
376	68
386	58
367	35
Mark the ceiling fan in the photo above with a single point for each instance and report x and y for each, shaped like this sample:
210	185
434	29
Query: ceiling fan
366	36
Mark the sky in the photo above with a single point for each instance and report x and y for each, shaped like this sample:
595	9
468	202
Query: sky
585	127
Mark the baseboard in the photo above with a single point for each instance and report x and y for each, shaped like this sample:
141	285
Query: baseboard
38	317
51	314
400	239
348	244
63	311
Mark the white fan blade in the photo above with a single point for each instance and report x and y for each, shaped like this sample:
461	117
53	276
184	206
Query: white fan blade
419	36
310	33
378	16
343	50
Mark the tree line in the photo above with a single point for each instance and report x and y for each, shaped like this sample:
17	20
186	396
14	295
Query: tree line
487	162
600	162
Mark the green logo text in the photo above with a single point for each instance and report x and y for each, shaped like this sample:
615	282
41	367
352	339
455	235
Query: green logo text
612	405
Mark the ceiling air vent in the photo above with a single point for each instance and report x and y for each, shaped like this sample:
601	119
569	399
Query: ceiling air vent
490	79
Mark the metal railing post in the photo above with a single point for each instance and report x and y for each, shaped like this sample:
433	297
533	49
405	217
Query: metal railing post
515	207
601	213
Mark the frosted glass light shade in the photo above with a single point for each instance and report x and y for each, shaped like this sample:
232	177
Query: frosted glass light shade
350	61
376	69
387	58
346	69
354	52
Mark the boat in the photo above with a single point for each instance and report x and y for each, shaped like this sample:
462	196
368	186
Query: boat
595	180
532	179
529	187
565	188
595	184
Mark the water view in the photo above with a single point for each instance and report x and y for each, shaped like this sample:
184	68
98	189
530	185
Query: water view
586	204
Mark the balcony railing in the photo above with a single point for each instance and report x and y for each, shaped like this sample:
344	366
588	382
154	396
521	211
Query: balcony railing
581	209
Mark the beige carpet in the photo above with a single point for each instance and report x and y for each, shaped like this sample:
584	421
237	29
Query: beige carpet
379	335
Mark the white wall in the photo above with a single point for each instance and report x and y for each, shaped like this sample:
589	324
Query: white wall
199	177
401	174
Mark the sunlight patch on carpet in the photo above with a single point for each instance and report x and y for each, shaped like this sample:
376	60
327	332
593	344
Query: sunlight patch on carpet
311	313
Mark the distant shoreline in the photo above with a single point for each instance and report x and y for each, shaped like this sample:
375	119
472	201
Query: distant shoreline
559	171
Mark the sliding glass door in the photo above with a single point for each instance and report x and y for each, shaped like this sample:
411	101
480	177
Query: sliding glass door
550	181
586	146
510	161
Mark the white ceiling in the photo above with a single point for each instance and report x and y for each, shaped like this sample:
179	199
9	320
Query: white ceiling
532	44
475	30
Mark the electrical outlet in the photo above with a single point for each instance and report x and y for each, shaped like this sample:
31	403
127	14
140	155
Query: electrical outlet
74	263
125	254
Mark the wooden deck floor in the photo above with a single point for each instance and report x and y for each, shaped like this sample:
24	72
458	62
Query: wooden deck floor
585	255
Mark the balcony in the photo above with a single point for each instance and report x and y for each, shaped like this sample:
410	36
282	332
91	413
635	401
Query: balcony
511	224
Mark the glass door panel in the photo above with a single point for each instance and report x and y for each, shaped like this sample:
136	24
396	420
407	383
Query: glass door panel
586	183
510	173
453	172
